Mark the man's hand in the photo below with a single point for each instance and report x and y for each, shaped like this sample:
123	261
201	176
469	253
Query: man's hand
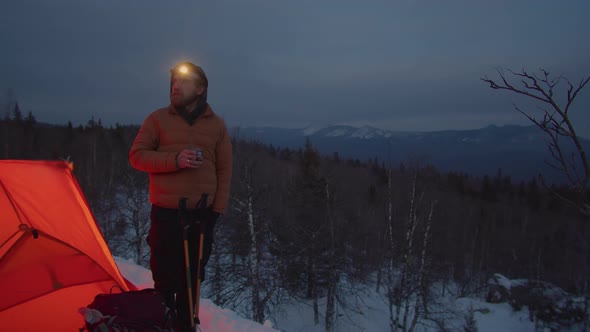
188	159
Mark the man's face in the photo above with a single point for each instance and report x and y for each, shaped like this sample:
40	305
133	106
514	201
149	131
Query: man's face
185	90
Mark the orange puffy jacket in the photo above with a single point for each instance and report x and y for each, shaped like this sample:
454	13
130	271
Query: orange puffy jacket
165	133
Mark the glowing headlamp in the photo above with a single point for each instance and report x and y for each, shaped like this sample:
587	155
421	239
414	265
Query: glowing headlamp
189	70
183	70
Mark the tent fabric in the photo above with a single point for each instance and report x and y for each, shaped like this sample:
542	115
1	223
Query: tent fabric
53	257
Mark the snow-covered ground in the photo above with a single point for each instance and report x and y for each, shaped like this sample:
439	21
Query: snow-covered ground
374	317
212	317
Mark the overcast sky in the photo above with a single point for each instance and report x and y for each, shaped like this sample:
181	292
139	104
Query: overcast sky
396	64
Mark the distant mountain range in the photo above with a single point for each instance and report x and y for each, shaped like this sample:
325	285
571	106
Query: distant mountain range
518	151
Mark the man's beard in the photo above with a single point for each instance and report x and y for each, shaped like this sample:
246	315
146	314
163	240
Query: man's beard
179	100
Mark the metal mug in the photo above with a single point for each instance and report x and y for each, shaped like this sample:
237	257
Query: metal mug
199	153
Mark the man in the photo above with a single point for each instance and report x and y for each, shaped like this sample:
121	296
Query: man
166	148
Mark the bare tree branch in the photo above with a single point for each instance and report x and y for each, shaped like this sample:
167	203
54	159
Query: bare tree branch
555	123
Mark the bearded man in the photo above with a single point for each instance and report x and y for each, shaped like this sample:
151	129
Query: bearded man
186	150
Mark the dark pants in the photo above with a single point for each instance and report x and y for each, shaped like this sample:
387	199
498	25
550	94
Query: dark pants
167	257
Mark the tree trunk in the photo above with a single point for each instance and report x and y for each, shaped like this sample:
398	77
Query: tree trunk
330	305
332	273
217	277
316	308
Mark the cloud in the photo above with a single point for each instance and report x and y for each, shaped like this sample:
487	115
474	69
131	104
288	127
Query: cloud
396	63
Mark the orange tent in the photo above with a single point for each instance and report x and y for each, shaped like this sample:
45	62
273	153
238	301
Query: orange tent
53	258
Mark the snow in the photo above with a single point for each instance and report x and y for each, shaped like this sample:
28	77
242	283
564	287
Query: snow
310	130
508	283
213	318
371	315
367	133
364	132
338	132
491	317
375	317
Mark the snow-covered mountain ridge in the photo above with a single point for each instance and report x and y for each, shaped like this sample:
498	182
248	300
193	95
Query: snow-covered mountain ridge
487	134
519	151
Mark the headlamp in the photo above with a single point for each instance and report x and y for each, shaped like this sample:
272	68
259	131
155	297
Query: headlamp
184	70
189	70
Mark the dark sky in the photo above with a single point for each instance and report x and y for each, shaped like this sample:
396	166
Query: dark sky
396	64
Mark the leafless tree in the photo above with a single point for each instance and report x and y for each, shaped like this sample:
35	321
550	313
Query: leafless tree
134	213
245	271
246	205
408	287
556	122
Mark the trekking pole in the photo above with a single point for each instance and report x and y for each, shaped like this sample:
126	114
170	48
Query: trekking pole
185	225
203	206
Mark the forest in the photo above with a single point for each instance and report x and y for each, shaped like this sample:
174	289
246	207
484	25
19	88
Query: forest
301	225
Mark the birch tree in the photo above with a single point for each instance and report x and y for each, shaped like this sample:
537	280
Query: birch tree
408	291
132	223
248	272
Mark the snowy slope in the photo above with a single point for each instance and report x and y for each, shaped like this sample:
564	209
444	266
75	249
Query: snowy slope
373	316
212	317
